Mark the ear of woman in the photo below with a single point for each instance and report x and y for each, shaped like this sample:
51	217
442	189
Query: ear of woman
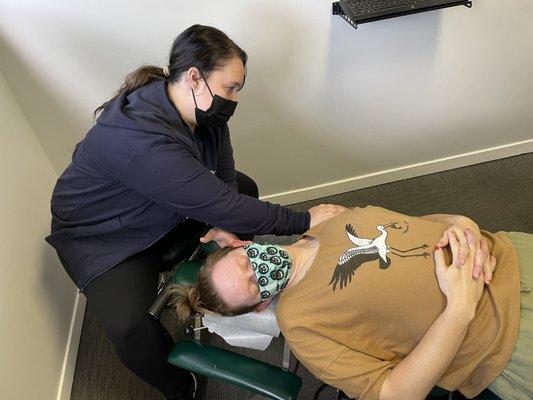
196	81
264	304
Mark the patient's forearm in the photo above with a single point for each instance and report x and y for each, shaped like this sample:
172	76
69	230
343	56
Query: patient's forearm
449	219
416	374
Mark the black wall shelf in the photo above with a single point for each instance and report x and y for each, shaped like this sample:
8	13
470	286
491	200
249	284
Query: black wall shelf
343	10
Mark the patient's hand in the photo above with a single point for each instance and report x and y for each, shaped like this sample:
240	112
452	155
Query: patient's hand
455	280
483	261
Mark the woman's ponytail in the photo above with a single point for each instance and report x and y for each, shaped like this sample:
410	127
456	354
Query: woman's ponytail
136	79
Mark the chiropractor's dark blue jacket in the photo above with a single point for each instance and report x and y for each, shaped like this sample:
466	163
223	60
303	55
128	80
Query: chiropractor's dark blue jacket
138	173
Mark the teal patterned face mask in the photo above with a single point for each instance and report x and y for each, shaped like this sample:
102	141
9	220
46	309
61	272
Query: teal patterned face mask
272	266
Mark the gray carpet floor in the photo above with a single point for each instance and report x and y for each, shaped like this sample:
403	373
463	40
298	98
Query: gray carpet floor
497	194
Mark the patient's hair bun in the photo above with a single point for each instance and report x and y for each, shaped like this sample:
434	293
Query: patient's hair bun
185	301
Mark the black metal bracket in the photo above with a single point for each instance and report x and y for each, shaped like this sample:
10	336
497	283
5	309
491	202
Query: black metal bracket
337	10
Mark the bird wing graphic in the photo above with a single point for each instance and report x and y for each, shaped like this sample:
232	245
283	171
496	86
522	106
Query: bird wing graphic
352	235
348	264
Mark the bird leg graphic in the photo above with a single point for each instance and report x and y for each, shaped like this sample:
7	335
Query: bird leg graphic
424	246
424	254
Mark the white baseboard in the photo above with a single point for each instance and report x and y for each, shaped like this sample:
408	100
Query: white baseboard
71	352
404	172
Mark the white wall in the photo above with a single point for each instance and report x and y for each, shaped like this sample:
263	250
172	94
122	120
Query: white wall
323	102
36	296
325	109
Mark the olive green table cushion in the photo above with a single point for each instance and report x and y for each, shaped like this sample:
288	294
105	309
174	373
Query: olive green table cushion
259	377
187	273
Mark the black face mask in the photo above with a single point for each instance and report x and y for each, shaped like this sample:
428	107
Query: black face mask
218	114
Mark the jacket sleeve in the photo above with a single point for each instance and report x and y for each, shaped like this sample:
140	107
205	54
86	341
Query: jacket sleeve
172	177
226	166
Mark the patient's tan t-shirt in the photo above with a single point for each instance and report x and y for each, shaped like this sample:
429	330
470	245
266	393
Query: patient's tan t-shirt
350	324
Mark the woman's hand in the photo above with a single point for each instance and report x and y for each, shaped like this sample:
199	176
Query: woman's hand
324	212
462	291
223	238
482	260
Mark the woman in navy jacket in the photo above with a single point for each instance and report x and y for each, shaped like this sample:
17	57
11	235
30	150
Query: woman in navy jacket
150	175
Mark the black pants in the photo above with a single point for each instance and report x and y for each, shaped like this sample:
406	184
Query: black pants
121	296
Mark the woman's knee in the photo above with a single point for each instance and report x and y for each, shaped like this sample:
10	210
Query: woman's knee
139	339
128	330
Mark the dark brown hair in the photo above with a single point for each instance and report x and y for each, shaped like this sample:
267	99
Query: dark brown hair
203	298
203	47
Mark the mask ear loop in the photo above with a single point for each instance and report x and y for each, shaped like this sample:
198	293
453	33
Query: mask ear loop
205	80
194	98
208	88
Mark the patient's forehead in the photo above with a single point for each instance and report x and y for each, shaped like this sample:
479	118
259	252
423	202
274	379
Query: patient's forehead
225	269
227	277
230	259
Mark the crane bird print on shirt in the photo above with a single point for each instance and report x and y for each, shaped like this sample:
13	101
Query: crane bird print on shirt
367	250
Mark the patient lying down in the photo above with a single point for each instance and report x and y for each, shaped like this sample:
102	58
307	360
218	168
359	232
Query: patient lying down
379	304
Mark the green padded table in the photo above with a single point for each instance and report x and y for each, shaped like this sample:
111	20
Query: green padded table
259	377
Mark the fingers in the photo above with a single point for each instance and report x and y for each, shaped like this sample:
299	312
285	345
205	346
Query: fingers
209	236
324	212
481	260
443	241
464	246
454	245
489	268
334	209
490	262
440	263
461	247
473	255
471	241
220	236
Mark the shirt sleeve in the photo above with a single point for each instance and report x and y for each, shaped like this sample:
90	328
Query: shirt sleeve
226	165
357	374
172	177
